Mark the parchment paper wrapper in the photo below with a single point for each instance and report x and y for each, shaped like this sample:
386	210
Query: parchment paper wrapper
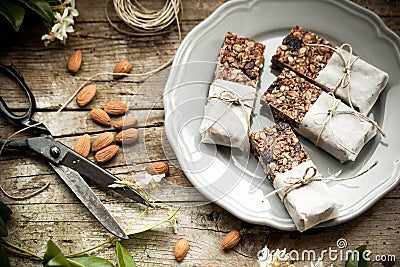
366	81
310	204
227	124
342	133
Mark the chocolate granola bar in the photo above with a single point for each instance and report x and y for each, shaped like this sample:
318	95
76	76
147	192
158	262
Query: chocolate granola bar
231	96
240	60
318	115
321	62
285	161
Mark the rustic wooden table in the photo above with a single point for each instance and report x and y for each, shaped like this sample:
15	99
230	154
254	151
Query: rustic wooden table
57	214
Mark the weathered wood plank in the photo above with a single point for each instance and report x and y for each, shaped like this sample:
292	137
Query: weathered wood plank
198	10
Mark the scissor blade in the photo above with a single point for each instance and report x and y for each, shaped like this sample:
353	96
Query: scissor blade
85	194
101	176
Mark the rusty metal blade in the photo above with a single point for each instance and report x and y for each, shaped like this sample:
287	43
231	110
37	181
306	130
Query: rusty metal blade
85	194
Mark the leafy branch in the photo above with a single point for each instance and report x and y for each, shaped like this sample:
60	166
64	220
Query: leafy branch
58	16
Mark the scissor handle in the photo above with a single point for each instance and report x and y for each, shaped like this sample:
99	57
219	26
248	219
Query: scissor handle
26	118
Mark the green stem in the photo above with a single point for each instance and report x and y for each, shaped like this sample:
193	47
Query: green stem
111	239
137	219
27	252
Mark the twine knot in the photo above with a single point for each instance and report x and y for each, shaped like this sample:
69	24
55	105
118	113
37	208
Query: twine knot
300	182
308	178
230	97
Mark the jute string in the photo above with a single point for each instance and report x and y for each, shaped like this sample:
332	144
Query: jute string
145	22
343	82
230	98
294	183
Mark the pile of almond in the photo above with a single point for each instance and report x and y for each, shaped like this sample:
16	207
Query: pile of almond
103	145
106	145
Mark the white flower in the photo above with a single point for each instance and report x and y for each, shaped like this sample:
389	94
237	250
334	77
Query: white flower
48	38
63	24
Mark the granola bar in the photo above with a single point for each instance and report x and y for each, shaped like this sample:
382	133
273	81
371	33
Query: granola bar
309	55
317	115
231	96
240	60
285	161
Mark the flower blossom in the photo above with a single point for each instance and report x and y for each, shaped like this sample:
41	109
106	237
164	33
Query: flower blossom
63	24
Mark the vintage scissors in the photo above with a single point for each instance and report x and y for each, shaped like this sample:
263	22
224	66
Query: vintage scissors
66	163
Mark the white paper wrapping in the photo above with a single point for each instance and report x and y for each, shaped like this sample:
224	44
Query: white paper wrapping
342	134
310	204
225	124
366	82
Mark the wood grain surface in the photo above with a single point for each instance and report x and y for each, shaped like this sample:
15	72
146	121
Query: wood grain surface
58	215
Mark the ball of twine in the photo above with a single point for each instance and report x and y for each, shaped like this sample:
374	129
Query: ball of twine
146	22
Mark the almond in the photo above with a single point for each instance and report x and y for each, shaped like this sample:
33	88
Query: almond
123	66
106	153
158	167
128	136
181	248
86	94
100	116
126	122
230	240
102	141
115	108
82	146
75	61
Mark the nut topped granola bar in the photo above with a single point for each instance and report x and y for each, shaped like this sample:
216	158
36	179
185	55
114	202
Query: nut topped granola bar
278	149
240	60
285	161
290	97
227	114
296	55
332	68
318	116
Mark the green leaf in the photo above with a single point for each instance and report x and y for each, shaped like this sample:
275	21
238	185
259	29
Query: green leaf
5	211
58	261
91	262
3	228
124	257
13	12
3	257
51	251
148	227
41	7
54	257
356	258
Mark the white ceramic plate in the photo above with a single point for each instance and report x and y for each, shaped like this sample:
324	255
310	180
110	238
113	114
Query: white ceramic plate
234	181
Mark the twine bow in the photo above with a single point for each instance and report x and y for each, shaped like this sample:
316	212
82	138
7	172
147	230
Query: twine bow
343	82
231	98
331	112
308	178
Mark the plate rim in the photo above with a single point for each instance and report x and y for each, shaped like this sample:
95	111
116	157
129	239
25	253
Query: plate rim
382	30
